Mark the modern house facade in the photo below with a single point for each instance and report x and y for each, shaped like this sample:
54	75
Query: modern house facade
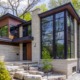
56	31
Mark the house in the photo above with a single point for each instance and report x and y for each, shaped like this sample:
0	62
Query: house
56	30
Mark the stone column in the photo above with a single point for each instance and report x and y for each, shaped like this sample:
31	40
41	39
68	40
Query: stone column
36	35
21	44
75	34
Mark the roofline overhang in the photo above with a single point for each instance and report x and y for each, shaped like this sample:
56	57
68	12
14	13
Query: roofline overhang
67	6
8	15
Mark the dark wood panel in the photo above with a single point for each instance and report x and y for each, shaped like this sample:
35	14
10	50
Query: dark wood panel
29	51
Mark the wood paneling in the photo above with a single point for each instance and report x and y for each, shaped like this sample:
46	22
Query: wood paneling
29	51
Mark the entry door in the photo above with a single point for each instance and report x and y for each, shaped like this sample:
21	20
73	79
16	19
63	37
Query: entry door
29	51
24	52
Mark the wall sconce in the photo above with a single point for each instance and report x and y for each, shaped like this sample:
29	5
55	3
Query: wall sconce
35	45
17	54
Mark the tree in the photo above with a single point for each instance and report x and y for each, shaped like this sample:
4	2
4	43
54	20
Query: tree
26	16
55	3
43	7
13	6
76	4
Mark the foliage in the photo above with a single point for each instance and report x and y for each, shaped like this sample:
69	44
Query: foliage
47	66
4	74
17	7
76	4
55	3
42	7
26	16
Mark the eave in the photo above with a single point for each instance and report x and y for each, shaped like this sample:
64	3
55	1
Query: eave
67	6
23	39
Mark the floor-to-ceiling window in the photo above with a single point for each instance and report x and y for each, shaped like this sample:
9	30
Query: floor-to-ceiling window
59	35
47	35
52	33
70	36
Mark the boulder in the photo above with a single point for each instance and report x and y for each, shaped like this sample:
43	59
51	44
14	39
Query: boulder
33	68
36	73
32	77
19	75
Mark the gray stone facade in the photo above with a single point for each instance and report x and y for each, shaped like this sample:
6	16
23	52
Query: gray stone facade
9	52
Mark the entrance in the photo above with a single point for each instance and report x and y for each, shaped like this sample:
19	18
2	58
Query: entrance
27	51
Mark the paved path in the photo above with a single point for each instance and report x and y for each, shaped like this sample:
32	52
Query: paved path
75	76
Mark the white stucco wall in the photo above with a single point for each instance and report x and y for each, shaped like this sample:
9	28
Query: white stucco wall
9	52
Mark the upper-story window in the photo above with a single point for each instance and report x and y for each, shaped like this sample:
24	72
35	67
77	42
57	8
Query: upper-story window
27	30
14	31
4	31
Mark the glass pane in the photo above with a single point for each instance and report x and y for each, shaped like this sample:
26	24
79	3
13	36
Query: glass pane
72	27
4	31
29	30
59	15
47	19
60	24
69	36
69	49
60	35
60	49
72	38
72	50
47	37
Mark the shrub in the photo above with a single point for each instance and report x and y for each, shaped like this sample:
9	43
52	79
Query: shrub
4	74
47	66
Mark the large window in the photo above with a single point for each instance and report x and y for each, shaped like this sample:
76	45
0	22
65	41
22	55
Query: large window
27	30
53	34
14	31
70	36
4	31
59	35
47	35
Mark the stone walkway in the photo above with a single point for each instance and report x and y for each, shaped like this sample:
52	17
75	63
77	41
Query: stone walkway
75	76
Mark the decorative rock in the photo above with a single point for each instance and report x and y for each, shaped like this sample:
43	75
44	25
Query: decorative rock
40	73
33	72
19	75
36	73
32	77
33	68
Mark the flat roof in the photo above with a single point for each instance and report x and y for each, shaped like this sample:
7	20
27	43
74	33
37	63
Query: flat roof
67	6
13	17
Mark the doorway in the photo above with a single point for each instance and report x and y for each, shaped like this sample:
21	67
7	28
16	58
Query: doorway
27	51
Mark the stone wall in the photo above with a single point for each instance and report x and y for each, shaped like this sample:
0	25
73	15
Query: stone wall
64	66
9	52
36	35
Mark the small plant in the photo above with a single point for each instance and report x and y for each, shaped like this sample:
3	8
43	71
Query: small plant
4	74
46	60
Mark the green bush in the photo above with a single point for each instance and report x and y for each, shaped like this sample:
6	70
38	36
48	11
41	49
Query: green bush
47	66
4	74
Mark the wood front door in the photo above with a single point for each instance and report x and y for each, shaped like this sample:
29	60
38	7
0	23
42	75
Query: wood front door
29	51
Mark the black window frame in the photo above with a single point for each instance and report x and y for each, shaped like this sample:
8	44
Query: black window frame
54	50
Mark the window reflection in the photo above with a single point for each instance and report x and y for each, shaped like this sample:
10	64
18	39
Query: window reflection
70	36
47	35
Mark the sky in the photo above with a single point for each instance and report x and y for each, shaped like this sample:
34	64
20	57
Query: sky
24	3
